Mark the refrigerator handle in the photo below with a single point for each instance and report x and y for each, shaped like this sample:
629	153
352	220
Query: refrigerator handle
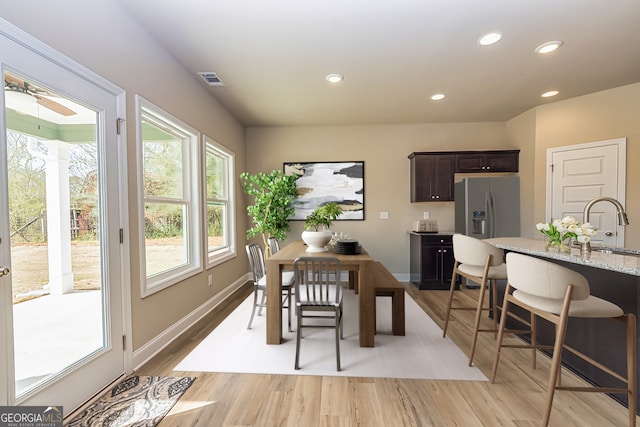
492	216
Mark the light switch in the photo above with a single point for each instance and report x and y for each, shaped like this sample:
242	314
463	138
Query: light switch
384	215
425	215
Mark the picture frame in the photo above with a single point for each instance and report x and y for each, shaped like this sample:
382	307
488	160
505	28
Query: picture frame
323	182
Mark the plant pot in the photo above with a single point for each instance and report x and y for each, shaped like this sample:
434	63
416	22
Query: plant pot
316	240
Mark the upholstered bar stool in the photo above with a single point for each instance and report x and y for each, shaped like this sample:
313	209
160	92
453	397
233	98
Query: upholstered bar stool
555	293
479	262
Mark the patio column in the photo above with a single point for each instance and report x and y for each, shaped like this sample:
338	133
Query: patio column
58	219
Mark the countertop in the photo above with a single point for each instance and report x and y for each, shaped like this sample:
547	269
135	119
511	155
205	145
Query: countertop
628	264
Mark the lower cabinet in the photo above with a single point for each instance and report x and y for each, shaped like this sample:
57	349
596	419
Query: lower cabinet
431	260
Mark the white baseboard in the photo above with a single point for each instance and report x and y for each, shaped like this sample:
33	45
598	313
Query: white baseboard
153	347
403	277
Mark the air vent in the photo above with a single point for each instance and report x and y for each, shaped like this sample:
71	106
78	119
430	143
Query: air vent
211	78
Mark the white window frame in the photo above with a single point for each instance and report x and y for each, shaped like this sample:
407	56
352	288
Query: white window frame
217	256
191	198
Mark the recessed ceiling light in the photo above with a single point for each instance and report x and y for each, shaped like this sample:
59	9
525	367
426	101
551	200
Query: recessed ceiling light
334	78
550	93
490	38
548	46
438	96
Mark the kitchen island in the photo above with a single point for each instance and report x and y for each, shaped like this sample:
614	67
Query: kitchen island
612	276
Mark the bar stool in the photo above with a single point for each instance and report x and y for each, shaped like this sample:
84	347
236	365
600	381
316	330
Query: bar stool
555	293
479	262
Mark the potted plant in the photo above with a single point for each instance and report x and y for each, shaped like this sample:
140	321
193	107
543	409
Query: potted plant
273	196
316	232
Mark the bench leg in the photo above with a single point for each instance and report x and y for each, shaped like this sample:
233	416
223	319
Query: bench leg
397	309
397	312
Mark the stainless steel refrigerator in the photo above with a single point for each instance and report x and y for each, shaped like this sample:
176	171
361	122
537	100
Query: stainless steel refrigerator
488	207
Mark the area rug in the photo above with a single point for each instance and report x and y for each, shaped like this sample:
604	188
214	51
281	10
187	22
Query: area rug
422	353
136	401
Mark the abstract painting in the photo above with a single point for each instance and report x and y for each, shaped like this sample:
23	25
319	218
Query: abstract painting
323	182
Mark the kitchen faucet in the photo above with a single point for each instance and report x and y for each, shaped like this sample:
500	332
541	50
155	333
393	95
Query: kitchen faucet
622	217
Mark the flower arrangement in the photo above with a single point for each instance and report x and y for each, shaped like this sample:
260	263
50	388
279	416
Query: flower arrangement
562	229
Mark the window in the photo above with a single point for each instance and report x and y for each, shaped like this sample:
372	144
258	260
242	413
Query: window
219	173
168	180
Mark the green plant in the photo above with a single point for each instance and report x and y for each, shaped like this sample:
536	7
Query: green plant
323	215
273	196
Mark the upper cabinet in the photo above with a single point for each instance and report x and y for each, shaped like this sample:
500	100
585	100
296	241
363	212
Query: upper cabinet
432	177
486	161
432	172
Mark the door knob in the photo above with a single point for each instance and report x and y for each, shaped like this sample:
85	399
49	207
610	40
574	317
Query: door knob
4	271
608	233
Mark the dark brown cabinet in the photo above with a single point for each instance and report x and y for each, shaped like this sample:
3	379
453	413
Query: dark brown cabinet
487	161
432	172
432	177
431	260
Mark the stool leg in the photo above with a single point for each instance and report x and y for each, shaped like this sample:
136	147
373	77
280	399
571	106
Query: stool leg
451	291
476	326
534	332
494	302
631	367
503	323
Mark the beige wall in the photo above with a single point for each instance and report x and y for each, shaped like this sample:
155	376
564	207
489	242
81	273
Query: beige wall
110	44
384	149
609	114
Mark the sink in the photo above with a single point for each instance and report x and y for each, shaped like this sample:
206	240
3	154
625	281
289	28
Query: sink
617	251
610	249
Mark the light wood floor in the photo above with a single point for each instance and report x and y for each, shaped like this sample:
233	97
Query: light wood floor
516	399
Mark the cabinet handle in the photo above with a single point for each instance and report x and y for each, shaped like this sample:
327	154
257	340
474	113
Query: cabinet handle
488	167
444	250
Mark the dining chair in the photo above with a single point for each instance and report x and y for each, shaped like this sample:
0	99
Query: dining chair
556	293
256	261
482	263
318	289
274	245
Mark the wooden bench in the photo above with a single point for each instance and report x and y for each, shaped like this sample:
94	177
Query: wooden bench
388	286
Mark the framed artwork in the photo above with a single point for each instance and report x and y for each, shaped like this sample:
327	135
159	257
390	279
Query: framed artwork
322	182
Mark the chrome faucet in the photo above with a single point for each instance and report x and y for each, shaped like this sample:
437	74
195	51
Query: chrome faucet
585	249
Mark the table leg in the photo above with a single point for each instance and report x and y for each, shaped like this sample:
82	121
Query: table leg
274	301
367	305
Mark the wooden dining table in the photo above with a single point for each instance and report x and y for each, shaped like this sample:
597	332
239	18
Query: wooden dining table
359	267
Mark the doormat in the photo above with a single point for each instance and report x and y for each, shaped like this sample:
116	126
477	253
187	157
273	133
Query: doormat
140	401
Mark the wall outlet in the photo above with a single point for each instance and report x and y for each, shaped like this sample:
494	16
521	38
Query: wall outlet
210	279
384	215
425	215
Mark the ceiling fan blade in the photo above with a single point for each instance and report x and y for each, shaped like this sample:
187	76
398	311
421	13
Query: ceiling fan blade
11	79
55	106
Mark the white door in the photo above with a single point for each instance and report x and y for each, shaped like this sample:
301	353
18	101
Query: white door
61	290
580	173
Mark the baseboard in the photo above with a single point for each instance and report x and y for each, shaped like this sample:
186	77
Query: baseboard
154	346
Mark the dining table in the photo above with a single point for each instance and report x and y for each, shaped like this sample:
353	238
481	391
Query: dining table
358	265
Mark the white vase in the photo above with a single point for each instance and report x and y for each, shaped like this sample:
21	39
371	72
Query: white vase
316	240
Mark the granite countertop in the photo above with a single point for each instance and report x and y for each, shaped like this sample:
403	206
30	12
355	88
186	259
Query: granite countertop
628	264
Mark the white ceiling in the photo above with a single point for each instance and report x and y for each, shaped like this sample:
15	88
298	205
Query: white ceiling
273	55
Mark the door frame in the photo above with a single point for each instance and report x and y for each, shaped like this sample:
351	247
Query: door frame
621	143
48	53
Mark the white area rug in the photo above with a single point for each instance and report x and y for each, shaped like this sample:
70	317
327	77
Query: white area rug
422	353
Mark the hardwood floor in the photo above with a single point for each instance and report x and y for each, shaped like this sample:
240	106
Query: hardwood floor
516	399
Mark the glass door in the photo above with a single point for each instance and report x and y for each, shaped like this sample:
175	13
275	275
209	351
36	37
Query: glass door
61	292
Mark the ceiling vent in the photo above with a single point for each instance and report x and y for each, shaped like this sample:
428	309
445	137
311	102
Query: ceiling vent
211	78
